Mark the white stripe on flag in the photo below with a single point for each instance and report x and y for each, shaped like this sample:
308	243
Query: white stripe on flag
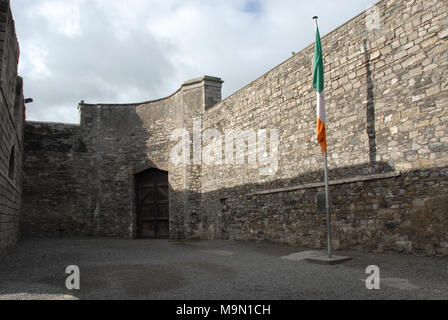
321	106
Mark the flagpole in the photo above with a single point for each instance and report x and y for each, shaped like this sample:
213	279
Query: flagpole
327	199
327	192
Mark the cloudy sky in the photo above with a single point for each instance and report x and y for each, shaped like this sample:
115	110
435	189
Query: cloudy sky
121	51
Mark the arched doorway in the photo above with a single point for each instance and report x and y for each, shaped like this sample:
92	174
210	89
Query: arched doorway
152	204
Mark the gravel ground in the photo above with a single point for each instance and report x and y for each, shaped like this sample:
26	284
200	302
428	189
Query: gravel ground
218	270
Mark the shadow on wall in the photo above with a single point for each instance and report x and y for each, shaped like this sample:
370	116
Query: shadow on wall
370	107
80	184
49	189
392	213
117	139
78	178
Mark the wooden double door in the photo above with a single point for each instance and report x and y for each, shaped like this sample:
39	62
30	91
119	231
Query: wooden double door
152	204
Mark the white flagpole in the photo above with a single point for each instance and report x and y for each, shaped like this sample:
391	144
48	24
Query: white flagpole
327	192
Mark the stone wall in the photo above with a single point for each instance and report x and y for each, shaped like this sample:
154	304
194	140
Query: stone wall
80	178
386	95
11	131
54	196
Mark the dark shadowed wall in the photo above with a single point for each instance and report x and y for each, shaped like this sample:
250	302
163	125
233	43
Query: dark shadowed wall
11	131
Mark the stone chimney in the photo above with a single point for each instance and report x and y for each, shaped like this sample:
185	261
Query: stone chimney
211	86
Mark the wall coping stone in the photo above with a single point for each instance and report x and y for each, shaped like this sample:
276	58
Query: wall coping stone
203	78
209	80
45	123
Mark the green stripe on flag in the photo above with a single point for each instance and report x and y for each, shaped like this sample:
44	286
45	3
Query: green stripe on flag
318	72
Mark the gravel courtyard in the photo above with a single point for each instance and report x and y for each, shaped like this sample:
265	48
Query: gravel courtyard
218	270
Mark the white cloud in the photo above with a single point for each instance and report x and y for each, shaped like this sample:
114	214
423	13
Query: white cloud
63	16
33	61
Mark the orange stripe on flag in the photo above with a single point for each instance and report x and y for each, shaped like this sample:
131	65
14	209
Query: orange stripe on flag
321	135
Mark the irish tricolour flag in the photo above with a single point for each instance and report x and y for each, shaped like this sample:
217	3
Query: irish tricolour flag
318	84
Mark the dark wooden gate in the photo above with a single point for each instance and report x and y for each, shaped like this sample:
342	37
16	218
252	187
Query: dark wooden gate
152	204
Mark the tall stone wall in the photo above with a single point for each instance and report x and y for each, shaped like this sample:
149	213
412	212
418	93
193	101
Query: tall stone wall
386	74
55	197
11	131
79	179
